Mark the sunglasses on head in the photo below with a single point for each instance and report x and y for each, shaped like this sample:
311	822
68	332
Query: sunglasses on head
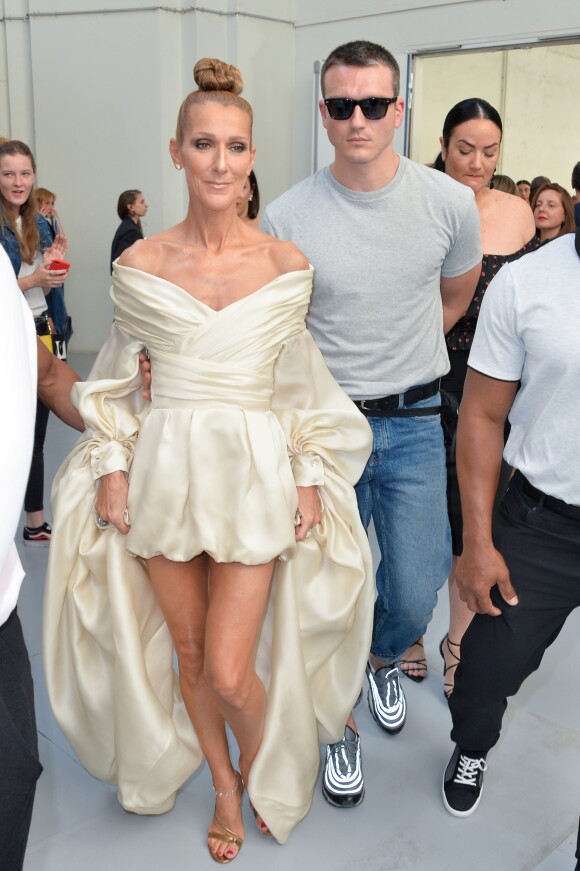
373	108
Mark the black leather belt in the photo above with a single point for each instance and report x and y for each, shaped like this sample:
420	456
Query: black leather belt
386	404
557	505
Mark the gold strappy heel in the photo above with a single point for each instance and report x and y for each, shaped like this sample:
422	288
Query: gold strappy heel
230	837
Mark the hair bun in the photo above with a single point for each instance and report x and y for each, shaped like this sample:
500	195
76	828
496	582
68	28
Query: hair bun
211	74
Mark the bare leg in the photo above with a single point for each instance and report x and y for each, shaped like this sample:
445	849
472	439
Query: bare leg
34	519
237	602
459	619
192	604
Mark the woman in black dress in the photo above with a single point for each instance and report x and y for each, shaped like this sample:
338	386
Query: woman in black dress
130	208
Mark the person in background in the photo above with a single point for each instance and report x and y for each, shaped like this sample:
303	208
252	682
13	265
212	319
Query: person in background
392	276
505	184
45	200
248	205
537	183
470	149
576	197
131	207
553	212
20	767
520	571
26	238
524	187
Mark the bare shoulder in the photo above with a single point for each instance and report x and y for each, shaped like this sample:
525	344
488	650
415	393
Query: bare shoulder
146	254
286	256
513	213
509	202
520	213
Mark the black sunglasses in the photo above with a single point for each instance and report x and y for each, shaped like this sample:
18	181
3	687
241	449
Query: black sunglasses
373	108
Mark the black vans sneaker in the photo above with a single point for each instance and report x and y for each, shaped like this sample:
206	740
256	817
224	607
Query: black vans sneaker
463	783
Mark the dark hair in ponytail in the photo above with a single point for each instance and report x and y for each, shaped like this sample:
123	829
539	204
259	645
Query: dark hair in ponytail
466	110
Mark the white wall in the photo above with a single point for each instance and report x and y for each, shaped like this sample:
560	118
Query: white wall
96	94
321	25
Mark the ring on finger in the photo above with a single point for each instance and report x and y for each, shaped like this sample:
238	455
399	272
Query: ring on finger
309	533
101	522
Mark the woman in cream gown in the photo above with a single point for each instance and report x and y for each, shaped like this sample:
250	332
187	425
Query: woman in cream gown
246	434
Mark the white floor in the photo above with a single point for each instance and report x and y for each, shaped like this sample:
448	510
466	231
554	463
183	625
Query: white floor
527	819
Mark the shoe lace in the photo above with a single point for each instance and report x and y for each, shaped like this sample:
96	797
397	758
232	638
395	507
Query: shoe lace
344	755
467	769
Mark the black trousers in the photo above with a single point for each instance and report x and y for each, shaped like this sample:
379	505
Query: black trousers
19	764
542	551
34	496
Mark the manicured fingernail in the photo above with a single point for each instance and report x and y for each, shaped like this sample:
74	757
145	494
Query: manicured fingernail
513	601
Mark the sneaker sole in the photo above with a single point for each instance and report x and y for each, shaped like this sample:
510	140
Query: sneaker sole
44	543
348	801
456	813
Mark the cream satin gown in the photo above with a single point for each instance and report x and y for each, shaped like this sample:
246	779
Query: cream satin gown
243	410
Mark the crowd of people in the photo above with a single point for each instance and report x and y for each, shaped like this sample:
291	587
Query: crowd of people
255	406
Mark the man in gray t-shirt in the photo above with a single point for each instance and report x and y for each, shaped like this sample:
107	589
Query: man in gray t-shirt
396	252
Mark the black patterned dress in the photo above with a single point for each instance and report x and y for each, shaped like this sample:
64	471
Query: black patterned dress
459	340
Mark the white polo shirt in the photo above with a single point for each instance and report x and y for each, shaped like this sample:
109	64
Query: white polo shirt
529	331
18	374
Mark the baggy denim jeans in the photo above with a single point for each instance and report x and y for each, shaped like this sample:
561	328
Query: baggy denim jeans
403	489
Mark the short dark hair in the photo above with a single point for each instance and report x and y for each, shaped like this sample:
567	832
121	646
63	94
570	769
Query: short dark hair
254	203
466	110
576	177
536	183
126	199
361	53
523	181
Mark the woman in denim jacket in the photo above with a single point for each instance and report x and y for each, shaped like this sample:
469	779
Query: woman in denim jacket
26	238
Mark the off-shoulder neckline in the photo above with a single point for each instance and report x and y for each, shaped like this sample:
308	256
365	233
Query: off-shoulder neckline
259	290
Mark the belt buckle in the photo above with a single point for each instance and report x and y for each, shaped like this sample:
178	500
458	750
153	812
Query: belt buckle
363	407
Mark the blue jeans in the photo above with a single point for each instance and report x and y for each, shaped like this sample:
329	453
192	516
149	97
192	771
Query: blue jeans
403	489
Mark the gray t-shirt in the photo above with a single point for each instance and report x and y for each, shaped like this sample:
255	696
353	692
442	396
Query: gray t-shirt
529	330
378	257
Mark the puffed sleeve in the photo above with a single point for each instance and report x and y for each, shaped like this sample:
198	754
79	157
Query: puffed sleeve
111	404
324	429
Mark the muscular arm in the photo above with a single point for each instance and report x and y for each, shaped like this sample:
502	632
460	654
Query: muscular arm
456	294
480	439
55	380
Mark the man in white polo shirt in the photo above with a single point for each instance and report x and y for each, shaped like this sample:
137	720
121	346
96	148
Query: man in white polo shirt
522	578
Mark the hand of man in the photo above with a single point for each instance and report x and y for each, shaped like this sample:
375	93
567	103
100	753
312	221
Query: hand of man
478	570
309	511
145	370
111	502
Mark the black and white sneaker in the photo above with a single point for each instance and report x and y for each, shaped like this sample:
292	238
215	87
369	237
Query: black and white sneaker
386	698
343	783
463	783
